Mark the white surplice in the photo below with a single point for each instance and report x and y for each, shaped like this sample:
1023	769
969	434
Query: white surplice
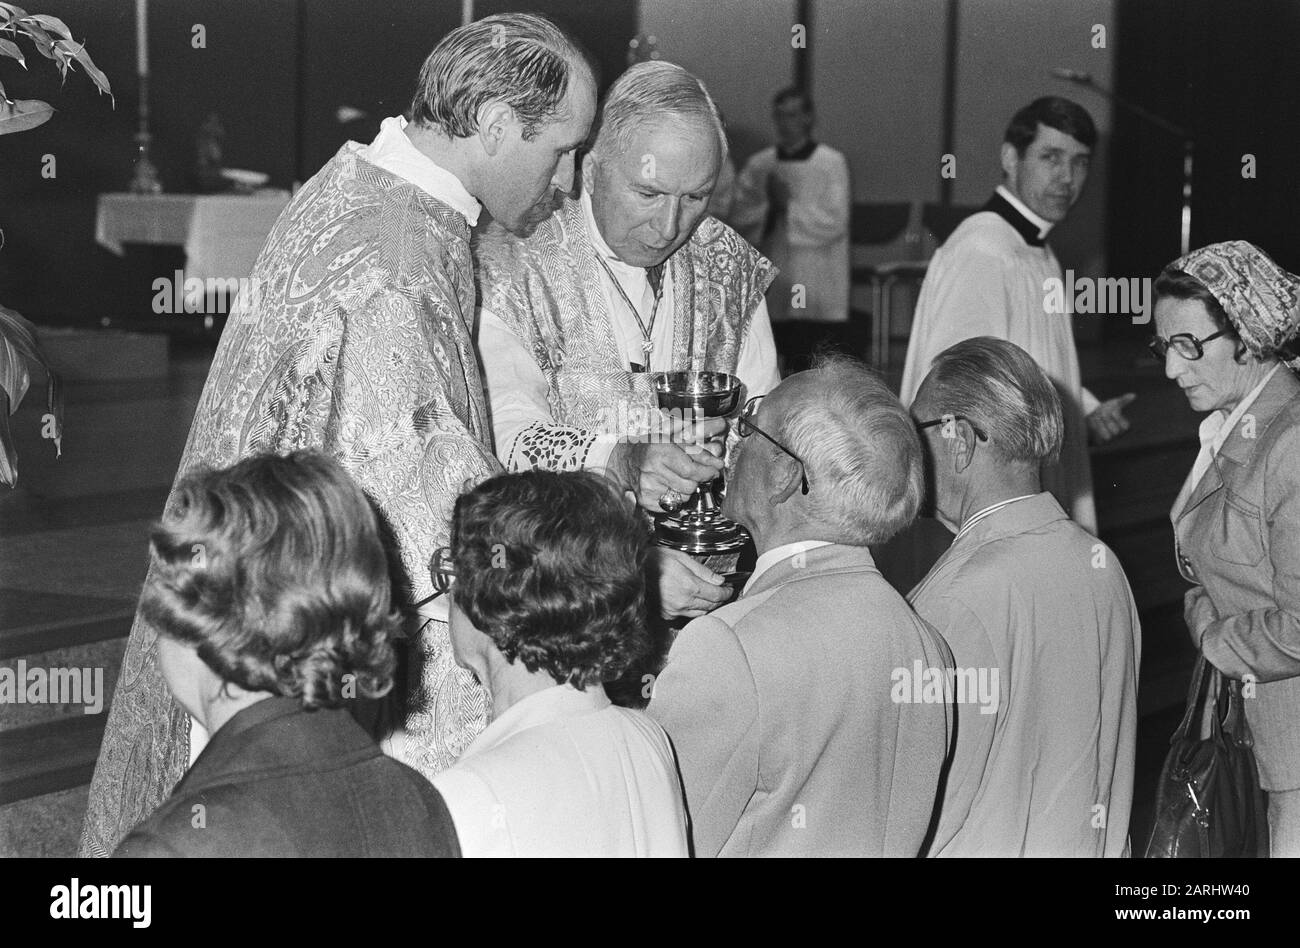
810	244
988	280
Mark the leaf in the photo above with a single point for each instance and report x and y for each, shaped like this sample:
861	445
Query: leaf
23	114
10	12
78	52
13	52
40	39
18	347
51	23
8	452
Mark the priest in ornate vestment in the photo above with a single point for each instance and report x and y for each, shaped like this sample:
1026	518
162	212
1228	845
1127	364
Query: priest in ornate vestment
627	279
357	341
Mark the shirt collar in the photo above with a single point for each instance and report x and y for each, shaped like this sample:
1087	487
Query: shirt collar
597	241
802	153
1216	428
393	151
988	511
541	707
779	553
1044	226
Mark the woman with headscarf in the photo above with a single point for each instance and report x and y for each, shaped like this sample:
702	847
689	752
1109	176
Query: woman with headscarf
1227	319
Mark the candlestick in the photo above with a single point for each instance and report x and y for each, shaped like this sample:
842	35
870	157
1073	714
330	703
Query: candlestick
142	37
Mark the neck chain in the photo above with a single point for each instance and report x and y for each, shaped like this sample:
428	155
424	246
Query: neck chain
647	344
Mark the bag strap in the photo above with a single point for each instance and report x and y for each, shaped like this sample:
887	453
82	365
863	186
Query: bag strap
1196	695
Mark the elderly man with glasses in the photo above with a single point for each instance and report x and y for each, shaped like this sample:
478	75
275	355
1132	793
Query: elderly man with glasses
793	733
1039	616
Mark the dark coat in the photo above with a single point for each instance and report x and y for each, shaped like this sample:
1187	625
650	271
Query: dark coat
276	780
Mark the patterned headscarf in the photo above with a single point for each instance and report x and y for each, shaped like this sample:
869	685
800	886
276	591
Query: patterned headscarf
1261	299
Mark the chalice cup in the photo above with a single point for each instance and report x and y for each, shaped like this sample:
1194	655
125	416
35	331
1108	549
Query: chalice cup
698	527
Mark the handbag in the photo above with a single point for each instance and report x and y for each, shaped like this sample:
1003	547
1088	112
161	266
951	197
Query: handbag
1209	802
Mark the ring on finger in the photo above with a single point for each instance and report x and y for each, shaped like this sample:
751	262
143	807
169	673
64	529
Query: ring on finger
671	500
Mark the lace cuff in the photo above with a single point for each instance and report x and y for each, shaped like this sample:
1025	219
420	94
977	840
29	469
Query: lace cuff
550	447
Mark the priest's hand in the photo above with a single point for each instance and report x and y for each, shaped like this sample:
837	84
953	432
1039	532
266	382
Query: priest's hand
1107	420
653	468
687	587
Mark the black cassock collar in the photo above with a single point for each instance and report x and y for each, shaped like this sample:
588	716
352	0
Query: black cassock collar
799	154
1023	225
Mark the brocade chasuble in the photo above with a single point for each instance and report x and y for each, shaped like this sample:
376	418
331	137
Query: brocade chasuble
357	341
547	289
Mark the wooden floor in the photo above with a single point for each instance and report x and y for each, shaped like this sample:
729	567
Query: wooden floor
73	541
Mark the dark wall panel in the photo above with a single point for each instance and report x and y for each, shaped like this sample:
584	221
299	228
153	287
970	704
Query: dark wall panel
1226	71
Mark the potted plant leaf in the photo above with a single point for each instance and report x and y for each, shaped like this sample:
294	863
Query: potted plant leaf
52	39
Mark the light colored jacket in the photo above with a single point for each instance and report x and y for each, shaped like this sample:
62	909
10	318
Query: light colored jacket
1046	768
781	708
1238	535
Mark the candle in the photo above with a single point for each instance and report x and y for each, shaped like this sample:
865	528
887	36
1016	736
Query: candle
142	37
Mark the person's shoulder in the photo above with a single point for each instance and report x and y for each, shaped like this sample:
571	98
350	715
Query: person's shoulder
764	157
1283	432
829	155
220	821
983	233
711	230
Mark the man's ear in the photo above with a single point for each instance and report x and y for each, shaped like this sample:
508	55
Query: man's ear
495	121
589	172
1010	159
787	477
964	445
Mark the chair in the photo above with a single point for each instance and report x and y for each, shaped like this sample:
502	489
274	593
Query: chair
874	225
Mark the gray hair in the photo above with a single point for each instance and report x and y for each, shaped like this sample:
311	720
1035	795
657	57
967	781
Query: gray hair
521	59
645	93
861	451
999	386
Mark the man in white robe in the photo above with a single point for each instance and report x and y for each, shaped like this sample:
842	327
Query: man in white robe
990	279
793	202
629	278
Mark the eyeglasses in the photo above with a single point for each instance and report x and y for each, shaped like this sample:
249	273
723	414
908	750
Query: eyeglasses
949	419
1184	343
745	427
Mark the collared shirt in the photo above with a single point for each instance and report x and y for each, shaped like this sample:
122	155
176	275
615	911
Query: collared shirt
778	553
1214	430
987	512
1044	226
392	150
563	772
636	284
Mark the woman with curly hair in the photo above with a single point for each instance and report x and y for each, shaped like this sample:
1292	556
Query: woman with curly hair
548	604
271	590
